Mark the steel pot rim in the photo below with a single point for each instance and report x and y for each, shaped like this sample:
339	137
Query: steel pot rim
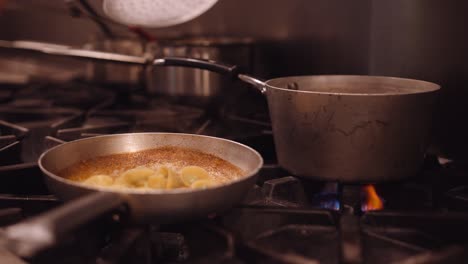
425	86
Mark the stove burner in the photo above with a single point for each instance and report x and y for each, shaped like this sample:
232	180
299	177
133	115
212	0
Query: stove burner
283	219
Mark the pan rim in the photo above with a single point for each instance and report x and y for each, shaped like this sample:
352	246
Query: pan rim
135	191
431	86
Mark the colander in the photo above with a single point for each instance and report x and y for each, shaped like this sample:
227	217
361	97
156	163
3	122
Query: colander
155	13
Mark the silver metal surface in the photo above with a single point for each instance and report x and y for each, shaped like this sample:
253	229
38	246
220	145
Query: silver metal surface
129	62
155	13
158	206
46	230
121	62
68	51
351	128
113	73
182	81
261	86
342	127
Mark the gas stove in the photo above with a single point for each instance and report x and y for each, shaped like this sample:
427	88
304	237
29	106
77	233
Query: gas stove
283	219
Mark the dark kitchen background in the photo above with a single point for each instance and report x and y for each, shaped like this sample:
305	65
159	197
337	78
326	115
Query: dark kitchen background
284	218
422	39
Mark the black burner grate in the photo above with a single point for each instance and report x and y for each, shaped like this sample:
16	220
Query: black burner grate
283	219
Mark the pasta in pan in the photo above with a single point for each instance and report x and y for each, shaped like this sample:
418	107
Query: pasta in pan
162	178
157	169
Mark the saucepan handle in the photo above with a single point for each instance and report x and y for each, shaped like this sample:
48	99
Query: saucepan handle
230	70
31	236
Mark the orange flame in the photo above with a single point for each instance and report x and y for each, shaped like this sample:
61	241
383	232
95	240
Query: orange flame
373	201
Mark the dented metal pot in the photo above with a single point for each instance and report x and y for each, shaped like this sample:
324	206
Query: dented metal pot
343	128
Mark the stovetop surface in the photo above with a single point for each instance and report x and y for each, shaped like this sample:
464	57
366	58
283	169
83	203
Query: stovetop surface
283	219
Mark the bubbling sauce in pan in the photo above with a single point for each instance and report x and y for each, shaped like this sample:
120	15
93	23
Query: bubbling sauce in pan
159	168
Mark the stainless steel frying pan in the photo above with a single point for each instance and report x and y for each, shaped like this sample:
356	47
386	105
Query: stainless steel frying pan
156	206
343	128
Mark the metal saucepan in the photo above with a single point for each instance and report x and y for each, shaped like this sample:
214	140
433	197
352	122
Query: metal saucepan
118	74
133	67
186	82
158	206
343	128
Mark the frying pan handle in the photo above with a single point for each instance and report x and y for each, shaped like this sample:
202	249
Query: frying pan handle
230	70
31	236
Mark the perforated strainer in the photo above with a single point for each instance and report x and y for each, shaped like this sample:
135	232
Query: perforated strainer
155	13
